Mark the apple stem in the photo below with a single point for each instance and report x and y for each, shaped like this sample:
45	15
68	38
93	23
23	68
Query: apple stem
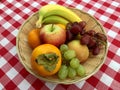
52	28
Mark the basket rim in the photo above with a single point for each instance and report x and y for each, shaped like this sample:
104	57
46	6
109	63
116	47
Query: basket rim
62	82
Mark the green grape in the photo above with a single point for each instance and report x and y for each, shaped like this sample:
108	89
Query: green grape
81	70
63	48
63	72
69	54
74	63
71	72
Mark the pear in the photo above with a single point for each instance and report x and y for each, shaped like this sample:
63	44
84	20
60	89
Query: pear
82	51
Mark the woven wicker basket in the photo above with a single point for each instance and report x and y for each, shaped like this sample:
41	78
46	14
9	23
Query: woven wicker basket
92	65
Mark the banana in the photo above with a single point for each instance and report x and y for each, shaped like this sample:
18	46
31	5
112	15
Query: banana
72	17
59	10
55	19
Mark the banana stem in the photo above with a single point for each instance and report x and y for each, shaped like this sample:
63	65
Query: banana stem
39	22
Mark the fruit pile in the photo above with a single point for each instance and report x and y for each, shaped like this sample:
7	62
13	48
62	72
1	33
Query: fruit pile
93	40
60	43
70	64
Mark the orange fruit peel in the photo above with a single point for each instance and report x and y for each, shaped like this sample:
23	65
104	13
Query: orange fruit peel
34	38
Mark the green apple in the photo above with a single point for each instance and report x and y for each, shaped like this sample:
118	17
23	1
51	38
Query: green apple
82	51
53	34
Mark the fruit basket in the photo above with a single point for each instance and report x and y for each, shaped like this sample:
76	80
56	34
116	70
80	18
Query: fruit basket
92	65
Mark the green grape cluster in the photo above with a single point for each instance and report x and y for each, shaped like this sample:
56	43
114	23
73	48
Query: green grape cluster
71	66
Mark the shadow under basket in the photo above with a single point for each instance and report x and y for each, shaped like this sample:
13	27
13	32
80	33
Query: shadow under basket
92	65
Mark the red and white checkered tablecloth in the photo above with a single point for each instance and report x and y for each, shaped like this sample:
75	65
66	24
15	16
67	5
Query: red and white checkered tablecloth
13	75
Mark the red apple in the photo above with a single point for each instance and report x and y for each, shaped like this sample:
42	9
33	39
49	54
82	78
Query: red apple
53	34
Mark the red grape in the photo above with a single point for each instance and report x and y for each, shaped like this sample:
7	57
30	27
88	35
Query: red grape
96	50
82	32
69	35
101	36
92	43
91	32
82	24
75	29
85	39
68	26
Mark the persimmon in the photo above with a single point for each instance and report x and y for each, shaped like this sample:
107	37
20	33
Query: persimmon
34	38
46	59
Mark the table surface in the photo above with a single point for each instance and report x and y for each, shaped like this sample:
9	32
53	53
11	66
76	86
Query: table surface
12	73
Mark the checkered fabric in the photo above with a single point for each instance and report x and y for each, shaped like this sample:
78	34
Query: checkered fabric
13	75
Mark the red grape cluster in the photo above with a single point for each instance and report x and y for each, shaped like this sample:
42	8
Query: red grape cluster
74	29
92	39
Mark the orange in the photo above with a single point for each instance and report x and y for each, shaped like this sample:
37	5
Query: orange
44	49
34	38
62	26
